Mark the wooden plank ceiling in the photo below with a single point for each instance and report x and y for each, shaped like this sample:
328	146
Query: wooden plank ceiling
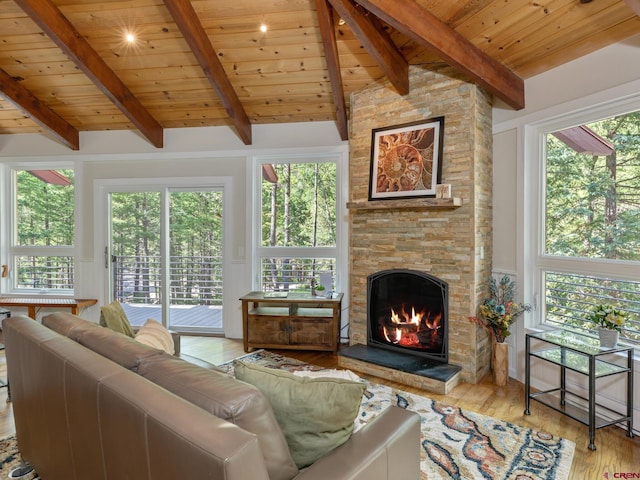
65	66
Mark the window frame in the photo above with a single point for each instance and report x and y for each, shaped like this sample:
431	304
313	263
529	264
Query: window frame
9	235
164	186
537	261
339	251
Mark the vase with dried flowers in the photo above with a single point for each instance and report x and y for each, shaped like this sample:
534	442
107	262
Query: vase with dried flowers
500	310
496	315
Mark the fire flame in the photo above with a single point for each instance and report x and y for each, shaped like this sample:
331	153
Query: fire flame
411	329
413	318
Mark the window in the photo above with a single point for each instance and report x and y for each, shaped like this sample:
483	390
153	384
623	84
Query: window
299	232
590	247
41	249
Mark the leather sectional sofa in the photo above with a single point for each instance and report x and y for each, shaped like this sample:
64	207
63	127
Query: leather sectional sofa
90	403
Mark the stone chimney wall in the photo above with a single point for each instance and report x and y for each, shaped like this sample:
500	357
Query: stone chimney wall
446	243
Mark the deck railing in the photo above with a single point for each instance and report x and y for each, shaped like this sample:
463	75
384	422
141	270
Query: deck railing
571	298
285	274
44	273
193	280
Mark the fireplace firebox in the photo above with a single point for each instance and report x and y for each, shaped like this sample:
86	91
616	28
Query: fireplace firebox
407	312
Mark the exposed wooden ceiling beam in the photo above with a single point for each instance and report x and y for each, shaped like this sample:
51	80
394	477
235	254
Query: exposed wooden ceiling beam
31	106
194	33
416	22
328	34
634	5
376	41
51	20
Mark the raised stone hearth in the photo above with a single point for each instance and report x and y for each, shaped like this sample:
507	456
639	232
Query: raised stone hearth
400	367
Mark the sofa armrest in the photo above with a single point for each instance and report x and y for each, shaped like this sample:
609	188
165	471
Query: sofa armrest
386	448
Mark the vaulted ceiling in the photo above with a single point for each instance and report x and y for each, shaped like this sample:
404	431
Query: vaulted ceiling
65	66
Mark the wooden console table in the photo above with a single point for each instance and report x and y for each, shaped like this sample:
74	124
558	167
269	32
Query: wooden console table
31	303
297	321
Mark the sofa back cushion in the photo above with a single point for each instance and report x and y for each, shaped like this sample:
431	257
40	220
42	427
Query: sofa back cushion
229	399
115	346
67	324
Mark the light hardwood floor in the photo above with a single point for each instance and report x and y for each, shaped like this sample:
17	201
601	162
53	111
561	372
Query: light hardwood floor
616	453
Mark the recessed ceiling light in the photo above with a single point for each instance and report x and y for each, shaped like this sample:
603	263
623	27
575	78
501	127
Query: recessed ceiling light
263	28
130	37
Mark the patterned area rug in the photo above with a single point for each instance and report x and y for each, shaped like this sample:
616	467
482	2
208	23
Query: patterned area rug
457	444
10	459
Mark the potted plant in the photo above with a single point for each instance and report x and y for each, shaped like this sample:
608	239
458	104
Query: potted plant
496	314
316	287
609	321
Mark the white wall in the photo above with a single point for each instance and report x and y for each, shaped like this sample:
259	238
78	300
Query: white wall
613	67
608	75
193	152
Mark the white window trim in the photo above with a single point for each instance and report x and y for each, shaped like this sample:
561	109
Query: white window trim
8	231
340	251
163	185
535	260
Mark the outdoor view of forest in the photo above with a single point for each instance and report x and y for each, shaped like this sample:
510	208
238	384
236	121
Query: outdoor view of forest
298	224
593	211
195	247
298	215
44	218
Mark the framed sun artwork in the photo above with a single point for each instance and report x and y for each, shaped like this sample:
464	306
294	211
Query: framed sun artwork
406	160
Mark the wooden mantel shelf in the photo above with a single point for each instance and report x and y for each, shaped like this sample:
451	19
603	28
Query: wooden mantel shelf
416	203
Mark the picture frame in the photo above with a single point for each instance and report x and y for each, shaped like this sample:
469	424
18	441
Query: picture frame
406	160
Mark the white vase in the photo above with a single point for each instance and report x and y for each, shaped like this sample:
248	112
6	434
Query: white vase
608	338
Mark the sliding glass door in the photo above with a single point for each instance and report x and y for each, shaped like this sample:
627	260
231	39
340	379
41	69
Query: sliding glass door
195	260
165	256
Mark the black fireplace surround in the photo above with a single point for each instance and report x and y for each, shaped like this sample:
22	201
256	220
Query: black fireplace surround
407	312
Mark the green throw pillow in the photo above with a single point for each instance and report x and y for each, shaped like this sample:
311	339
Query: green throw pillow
114	317
316	415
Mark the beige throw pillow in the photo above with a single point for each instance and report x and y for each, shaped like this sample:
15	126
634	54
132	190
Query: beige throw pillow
154	334
316	415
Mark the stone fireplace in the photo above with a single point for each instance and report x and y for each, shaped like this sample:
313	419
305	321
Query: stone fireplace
450	240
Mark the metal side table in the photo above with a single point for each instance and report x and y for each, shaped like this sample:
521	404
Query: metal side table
584	355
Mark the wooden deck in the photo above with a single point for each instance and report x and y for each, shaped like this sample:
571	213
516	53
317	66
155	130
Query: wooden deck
191	317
